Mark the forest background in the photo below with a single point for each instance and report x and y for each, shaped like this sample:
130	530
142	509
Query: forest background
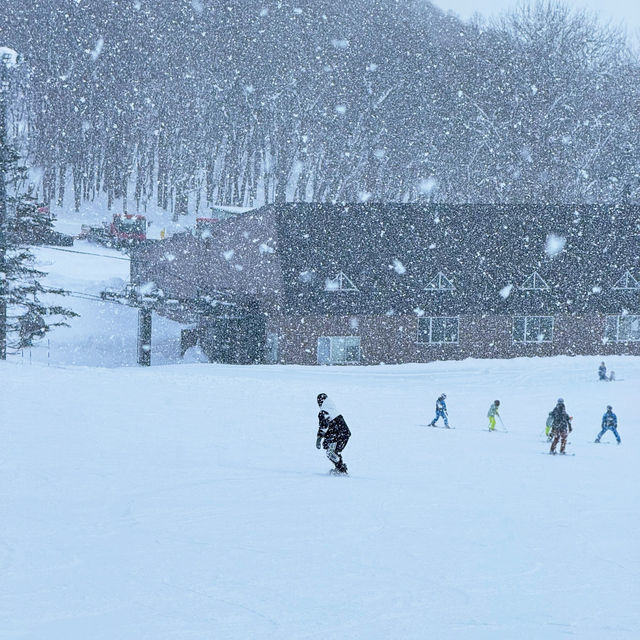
184	105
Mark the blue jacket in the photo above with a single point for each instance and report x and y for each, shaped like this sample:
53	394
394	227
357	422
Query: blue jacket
441	405
609	419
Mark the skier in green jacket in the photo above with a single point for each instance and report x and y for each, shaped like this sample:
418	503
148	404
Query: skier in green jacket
493	412
548	425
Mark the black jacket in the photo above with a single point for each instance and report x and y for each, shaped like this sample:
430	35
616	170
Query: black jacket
332	429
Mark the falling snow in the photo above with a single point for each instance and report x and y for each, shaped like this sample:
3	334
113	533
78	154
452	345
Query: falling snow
554	244
370	182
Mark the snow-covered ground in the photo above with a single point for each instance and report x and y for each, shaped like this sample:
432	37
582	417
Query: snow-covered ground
189	502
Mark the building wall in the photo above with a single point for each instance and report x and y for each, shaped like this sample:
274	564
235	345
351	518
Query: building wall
393	340
239	258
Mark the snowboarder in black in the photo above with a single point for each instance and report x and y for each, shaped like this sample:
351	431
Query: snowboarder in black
560	427
334	430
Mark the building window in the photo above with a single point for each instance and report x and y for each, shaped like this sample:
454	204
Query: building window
339	350
438	330
440	283
627	283
533	329
535	282
622	329
340	283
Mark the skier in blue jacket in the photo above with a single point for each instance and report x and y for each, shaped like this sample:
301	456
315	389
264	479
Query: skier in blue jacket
609	422
441	411
602	372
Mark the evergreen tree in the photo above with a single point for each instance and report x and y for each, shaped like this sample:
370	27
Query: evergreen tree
25	315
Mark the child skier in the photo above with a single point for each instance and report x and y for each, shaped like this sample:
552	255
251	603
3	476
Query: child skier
602	372
609	422
560	427
548	425
493	412
441	411
335	432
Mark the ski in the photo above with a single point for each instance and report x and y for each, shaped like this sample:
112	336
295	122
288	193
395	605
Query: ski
558	454
436	426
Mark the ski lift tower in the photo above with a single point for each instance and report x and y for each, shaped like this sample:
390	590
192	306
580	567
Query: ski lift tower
145	304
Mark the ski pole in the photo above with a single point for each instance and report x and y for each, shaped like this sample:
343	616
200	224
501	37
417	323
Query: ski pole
502	423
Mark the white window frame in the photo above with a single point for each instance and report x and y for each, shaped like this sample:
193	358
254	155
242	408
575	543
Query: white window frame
440	282
615	321
535	282
420	333
530	320
340	283
334	347
626	283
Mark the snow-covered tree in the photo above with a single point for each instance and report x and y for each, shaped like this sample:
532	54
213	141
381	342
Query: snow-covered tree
187	105
25	315
30	313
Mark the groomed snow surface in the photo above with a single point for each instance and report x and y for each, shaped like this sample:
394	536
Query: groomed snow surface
189	502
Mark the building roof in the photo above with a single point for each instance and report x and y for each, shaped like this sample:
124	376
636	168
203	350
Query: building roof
348	259
452	259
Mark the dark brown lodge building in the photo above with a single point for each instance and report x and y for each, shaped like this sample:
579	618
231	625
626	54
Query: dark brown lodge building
394	283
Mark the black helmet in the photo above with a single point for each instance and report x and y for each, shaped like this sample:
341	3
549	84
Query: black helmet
609	407
443	396
496	402
321	398
560	400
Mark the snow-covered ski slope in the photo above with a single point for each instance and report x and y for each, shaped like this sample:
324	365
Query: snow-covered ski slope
189	502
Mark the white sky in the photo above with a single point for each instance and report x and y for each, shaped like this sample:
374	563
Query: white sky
620	12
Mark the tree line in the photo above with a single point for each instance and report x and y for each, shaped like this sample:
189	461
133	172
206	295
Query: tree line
189	104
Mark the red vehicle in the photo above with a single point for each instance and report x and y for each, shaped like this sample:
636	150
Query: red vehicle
44	210
127	228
